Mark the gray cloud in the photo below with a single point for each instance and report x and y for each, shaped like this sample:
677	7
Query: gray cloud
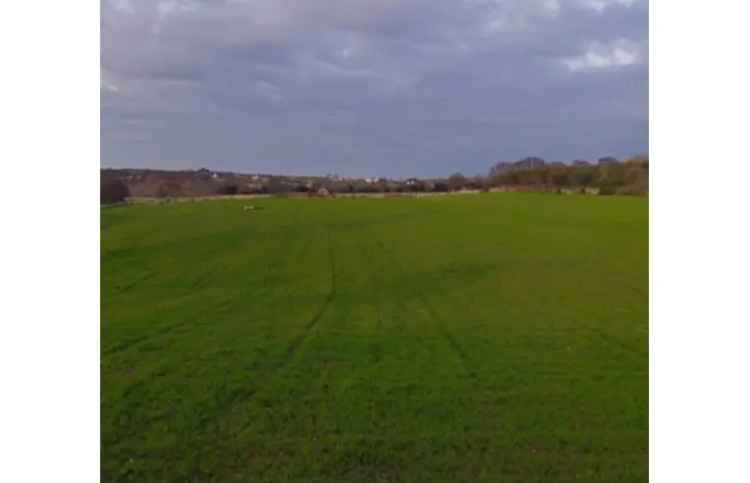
371	87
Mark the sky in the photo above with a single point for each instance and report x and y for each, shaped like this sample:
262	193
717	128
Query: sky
370	87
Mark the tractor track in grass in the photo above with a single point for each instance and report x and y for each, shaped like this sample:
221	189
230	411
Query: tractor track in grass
226	398
400	322
157	334
202	279
135	342
247	394
123	289
376	346
310	325
296	343
164	331
199	282
631	352
455	346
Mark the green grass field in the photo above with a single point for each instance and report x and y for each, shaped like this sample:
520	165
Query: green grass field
493	337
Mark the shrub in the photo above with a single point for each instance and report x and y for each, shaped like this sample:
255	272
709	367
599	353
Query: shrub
456	181
228	189
441	186
276	186
558	177
113	190
637	189
169	189
582	176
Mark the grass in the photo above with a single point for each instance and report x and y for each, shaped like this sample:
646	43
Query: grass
495	337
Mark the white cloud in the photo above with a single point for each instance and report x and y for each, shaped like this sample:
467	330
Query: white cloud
552	7
110	88
600	5
168	7
502	16
619	53
122	6
268	91
108	83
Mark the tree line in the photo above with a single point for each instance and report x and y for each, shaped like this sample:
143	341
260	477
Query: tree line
608	176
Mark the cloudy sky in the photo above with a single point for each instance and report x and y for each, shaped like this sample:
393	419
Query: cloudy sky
371	87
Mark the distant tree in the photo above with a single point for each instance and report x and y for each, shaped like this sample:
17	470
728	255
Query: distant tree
506	178
380	187
475	183
531	162
441	186
276	186
525	177
638	159
113	190
558	176
612	175
608	160
609	175
203	174
417	186
582	176
393	187
456	181
499	168
168	189
228	189
360	187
